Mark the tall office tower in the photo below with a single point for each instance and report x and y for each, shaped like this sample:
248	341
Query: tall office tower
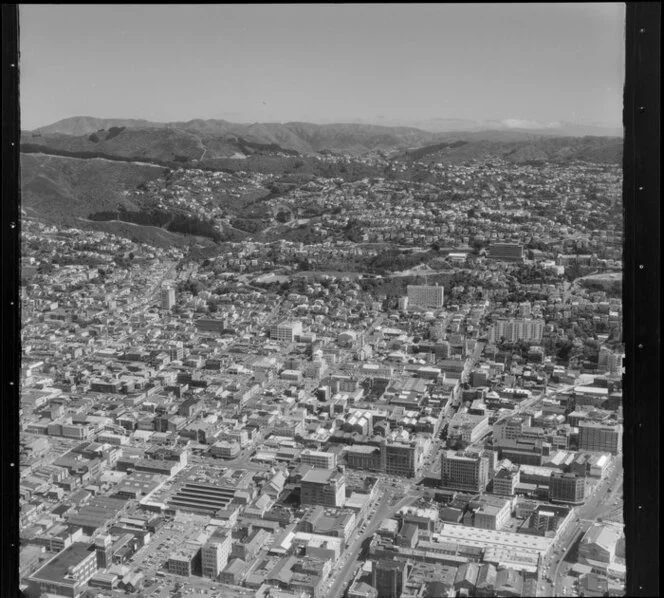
459	471
506	252
167	298
425	296
600	438
214	554
403	458
389	578
104	551
323	487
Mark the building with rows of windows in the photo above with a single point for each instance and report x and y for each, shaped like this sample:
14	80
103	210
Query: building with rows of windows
460	471
286	331
425	296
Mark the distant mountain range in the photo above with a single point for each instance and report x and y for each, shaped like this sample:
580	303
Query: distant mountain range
222	138
456	125
519	148
81	166
83	125
207	140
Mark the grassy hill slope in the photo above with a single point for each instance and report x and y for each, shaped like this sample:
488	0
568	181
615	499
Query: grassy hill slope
60	189
606	150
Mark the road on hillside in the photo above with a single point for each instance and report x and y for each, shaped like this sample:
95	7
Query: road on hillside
119	160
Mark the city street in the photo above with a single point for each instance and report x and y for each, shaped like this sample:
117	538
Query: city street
346	567
598	505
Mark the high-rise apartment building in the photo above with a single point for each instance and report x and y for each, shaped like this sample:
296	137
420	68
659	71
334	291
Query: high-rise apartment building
610	361
517	329
286	331
323	487
425	296
506	252
600	438
167	298
461	471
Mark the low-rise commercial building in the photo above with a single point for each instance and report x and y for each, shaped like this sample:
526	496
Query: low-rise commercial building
67	572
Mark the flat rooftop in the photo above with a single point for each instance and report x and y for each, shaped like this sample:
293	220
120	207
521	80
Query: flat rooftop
56	569
485	538
318	476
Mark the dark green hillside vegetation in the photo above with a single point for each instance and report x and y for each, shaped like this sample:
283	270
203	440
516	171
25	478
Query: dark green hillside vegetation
250	225
159	145
185	224
150	235
393	260
61	189
102	134
268	164
303	233
251	147
529	149
85	125
32	148
420	153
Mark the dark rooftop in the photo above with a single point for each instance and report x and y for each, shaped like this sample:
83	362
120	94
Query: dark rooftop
57	568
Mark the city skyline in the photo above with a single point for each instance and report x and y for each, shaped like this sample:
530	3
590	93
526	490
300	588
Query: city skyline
390	64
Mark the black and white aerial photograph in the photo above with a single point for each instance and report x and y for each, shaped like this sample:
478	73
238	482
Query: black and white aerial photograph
322	300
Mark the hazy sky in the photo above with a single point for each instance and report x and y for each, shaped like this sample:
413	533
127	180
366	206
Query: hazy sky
323	63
